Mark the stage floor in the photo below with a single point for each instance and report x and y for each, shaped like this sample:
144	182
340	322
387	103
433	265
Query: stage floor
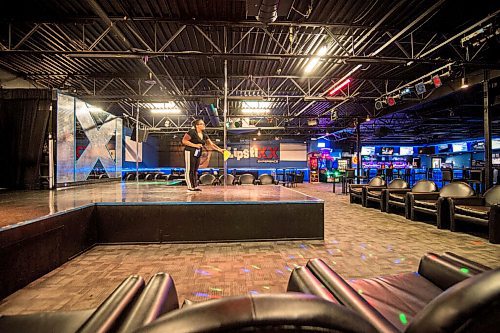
20	206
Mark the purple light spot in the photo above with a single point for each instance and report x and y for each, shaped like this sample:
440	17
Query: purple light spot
245	270
201	294
330	252
397	261
201	272
303	246
363	245
279	271
288	268
363	257
291	257
254	292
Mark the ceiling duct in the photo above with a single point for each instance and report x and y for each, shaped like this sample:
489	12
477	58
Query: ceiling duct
268	11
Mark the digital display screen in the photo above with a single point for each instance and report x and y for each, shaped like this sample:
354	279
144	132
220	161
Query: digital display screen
426	150
367	150
387	151
479	145
495	144
459	147
443	148
404	151
321	145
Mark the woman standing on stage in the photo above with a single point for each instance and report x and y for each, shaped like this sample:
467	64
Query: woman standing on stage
193	141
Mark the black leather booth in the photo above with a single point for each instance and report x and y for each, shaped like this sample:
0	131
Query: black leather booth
129	307
447	294
484	211
266	179
246	179
356	191
262	313
230	179
436	204
376	194
397	197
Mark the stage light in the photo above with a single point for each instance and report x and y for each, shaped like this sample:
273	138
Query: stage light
254	139
420	88
405	91
168	107
379	105
258	132
315	60
367	117
465	83
339	87
437	81
391	101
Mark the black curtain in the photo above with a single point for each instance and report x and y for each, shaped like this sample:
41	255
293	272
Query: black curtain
24	116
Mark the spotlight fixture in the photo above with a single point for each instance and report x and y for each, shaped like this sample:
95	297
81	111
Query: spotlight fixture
367	117
437	81
405	91
391	101
420	88
465	83
315	60
258	132
339	87
379	105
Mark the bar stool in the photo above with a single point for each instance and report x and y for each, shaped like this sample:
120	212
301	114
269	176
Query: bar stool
446	176
476	180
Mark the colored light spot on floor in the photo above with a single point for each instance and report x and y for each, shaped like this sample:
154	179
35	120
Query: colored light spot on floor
464	270
256	267
216	289
288	268
291	257
397	261
201	272
245	270
279	271
330	252
363	257
402	318
201	294
254	292
266	287
360	291
303	246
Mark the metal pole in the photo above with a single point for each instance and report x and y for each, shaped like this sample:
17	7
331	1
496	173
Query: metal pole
488	174
358	149
225	121
137	144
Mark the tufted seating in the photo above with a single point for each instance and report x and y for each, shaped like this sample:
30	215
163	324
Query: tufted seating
207	179
246	179
376	194
129	307
447	294
356	191
436	204
266	179
291	312
397	197
484	211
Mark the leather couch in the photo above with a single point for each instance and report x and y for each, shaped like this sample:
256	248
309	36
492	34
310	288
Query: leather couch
266	179
291	312
356	191
376	194
436	203
397	197
129	307
448	293
483	211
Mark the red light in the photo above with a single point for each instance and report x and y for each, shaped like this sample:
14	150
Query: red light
340	86
391	101
437	81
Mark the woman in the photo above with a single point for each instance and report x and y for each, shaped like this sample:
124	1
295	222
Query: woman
194	140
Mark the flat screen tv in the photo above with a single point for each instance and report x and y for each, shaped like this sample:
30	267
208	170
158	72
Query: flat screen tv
445	148
459	147
367	150
387	151
495	144
477	146
426	150
405	151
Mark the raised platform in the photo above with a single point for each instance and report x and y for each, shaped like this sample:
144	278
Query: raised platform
69	221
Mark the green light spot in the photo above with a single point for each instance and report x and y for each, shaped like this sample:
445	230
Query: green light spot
464	270
360	291
402	318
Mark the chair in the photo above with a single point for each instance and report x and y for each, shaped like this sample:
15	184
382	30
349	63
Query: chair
448	293
356	191
207	179
446	176
483	211
476	179
266	179
376	194
435	204
291	312
397	197
230	179
129	307
246	179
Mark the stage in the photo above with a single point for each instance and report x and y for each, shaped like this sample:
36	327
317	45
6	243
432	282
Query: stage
43	229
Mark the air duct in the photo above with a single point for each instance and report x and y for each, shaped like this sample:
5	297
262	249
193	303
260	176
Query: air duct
268	11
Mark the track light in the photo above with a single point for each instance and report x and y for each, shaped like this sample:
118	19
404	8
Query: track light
379	105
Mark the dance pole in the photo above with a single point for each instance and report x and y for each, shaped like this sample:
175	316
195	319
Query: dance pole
225	121
137	144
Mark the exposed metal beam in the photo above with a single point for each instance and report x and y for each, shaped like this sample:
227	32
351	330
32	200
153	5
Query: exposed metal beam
28	35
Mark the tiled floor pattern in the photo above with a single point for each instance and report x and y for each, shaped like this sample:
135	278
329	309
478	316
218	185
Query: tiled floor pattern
359	242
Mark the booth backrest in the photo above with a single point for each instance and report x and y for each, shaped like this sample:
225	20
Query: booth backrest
266	179
492	196
398	183
207	179
424	186
230	179
247	178
377	181
456	190
288	312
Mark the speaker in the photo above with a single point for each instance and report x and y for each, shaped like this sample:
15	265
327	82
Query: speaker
133	136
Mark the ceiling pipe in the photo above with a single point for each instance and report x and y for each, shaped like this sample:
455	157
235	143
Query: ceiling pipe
268	11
